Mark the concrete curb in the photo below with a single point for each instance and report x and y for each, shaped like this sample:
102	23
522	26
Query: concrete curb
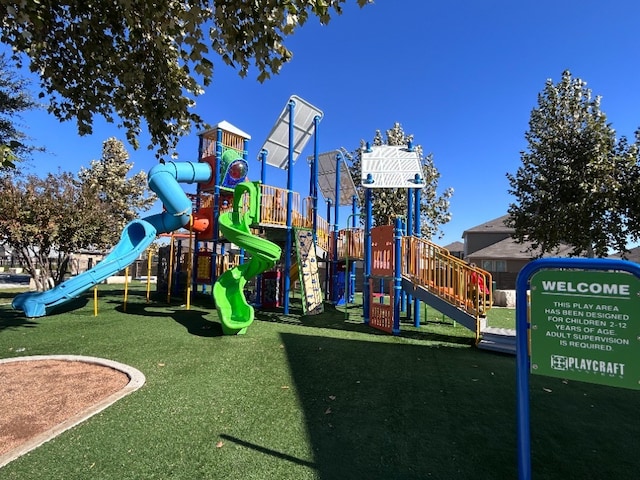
136	380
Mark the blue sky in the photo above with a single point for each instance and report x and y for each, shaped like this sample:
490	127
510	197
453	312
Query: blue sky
462	76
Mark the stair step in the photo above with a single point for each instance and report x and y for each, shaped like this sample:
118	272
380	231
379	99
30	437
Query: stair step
506	332
498	340
497	346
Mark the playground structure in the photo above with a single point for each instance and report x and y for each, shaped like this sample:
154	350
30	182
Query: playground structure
238	229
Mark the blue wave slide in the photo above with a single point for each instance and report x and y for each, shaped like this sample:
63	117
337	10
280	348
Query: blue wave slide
164	180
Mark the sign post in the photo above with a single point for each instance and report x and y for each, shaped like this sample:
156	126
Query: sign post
583	326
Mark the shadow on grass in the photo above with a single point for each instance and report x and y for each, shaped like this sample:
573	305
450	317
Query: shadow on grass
69	306
267	451
193	319
376	410
333	318
7	295
10	318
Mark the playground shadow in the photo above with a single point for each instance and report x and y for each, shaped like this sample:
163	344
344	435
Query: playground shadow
69	306
380	410
192	319
7	295
10	318
331	318
196	323
336	319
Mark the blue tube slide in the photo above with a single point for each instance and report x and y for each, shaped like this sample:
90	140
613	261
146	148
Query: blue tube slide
164	179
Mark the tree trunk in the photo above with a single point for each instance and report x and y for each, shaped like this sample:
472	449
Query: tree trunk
63	264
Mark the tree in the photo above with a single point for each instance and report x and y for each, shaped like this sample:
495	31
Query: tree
120	198
388	203
140	60
46	220
577	183
14	99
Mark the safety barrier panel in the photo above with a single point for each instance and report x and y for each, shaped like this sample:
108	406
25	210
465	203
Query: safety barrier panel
381	314
350	244
382	251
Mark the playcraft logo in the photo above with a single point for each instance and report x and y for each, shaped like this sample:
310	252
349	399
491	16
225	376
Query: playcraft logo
564	363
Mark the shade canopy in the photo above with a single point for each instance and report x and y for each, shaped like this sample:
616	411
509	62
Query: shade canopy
277	143
328	163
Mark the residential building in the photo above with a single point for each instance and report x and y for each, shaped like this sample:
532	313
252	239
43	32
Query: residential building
491	247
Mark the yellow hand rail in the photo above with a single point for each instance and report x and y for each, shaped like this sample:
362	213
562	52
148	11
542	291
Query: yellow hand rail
450	278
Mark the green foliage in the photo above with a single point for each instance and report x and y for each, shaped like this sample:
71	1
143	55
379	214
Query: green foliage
389	203
14	99
45	220
121	197
148	61
40	219
577	184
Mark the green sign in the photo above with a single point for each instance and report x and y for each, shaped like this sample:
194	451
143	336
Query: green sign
585	325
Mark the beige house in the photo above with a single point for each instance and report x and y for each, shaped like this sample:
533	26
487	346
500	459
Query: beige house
456	249
491	247
84	260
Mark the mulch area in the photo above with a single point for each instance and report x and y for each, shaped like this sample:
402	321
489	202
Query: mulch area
37	395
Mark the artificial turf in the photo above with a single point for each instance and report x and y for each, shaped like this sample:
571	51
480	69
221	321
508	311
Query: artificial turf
322	397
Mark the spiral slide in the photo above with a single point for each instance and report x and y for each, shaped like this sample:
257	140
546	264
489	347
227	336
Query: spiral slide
234	311
164	180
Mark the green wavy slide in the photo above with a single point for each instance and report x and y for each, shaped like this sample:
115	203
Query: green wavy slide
234	311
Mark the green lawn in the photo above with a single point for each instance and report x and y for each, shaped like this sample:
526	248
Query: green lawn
311	398
502	317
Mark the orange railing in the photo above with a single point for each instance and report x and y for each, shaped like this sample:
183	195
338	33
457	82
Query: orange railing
322	234
448	277
350	244
273	207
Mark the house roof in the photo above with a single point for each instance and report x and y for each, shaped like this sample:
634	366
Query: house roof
455	247
632	255
509	249
492	226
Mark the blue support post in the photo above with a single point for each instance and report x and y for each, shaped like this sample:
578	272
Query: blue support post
314	196
397	278
216	207
409	233
263	166
334	259
417	229
352	274
289	242
197	242
263	178
327	272
245	156
366	289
